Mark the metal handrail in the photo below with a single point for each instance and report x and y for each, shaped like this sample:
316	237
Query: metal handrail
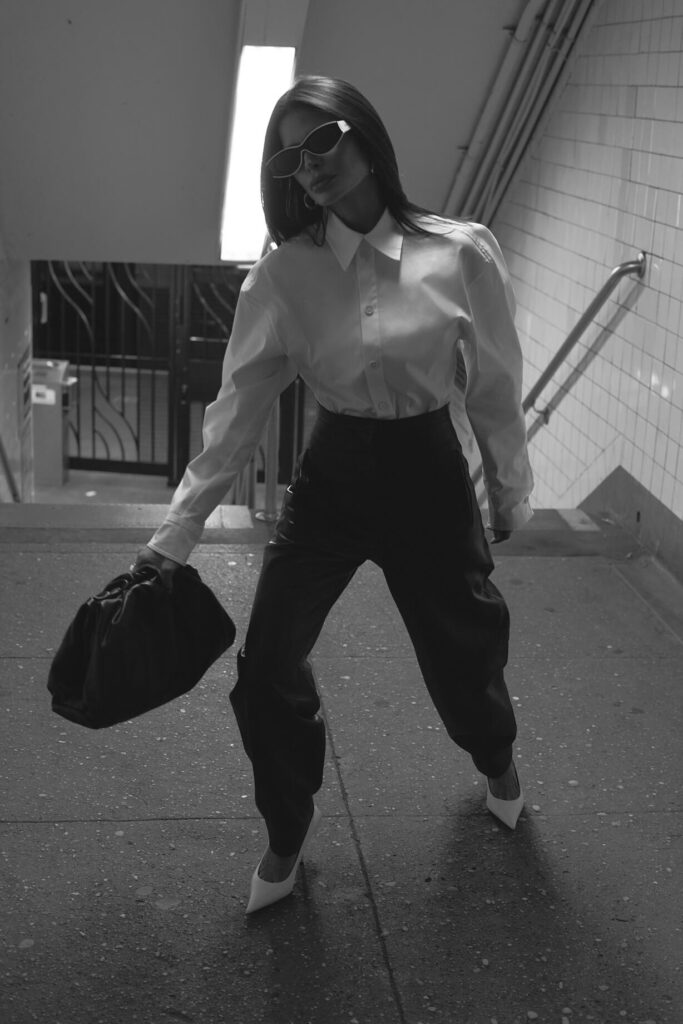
9	475
272	432
636	266
272	446
243	490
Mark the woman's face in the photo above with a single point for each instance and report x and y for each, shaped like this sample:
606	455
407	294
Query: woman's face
327	179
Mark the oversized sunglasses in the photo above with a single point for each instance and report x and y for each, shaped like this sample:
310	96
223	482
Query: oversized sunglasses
321	141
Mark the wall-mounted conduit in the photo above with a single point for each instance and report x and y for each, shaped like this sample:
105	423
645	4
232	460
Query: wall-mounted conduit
531	74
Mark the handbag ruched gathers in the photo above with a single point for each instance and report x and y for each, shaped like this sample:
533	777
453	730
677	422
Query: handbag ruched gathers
137	645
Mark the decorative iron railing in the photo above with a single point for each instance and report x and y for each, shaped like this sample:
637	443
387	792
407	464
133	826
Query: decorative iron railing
145	343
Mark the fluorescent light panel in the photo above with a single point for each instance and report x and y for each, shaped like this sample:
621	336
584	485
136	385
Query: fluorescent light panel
265	72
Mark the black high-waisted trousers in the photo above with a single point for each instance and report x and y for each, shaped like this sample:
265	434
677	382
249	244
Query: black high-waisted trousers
396	492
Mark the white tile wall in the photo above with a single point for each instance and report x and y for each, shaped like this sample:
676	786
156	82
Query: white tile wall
604	182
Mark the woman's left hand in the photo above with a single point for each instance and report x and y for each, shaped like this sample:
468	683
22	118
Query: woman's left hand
166	566
500	535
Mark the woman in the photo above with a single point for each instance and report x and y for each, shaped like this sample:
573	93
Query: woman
368	297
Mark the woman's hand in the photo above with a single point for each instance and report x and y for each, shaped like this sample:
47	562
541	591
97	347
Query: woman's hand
500	535
166	566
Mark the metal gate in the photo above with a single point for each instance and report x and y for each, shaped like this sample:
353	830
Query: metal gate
146	344
204	308
112	322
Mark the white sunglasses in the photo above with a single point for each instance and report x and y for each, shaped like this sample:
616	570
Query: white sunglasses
321	141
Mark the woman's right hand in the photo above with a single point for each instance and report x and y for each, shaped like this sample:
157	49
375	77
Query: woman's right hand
166	566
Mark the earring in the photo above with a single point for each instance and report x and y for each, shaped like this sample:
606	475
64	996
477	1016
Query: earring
309	203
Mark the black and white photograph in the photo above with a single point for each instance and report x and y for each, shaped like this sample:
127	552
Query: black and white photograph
341	511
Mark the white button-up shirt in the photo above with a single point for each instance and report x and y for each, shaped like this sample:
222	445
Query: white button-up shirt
372	323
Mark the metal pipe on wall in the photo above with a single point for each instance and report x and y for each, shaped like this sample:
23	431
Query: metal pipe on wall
547	47
490	115
511	161
535	68
551	28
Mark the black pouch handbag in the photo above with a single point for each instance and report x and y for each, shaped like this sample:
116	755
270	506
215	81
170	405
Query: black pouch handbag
137	645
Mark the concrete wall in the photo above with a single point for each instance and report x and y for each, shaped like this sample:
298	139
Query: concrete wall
115	116
114	122
604	181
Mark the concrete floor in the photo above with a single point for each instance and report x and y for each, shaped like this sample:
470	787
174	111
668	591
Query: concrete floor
127	852
84	487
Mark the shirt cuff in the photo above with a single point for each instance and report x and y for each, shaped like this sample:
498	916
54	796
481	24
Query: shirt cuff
510	519
175	539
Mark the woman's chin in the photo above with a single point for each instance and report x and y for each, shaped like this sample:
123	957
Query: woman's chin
359	205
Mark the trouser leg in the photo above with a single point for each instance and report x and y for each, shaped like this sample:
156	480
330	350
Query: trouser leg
459	625
275	699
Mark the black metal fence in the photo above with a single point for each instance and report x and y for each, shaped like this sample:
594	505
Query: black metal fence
145	343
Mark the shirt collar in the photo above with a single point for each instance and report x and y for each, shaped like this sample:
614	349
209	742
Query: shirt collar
386	237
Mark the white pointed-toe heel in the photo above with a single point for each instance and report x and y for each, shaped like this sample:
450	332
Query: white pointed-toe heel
263	893
507	811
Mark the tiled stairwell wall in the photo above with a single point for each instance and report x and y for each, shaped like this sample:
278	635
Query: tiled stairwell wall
604	181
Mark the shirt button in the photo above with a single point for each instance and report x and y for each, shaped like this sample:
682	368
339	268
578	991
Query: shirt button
369	310
374	364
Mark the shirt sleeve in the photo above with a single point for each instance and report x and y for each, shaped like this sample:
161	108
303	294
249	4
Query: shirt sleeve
256	369
493	398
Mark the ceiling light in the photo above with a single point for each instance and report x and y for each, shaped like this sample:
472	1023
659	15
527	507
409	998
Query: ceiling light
265	72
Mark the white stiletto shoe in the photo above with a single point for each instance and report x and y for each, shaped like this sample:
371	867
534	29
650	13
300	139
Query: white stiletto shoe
263	893
507	811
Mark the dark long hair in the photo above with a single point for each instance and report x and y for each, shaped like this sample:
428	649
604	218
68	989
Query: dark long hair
283	198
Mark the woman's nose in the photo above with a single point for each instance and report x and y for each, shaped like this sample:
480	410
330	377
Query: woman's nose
310	160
